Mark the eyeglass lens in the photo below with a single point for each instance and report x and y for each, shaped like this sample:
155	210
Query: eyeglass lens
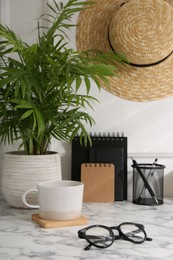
99	236
133	232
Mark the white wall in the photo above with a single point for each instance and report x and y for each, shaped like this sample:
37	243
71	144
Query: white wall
148	125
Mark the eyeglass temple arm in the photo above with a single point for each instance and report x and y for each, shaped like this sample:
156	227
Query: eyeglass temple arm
117	237
121	235
88	247
137	231
81	234
95	242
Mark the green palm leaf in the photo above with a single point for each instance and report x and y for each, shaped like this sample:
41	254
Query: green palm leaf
40	89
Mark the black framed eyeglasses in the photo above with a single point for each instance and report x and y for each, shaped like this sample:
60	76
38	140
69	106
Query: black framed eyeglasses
102	236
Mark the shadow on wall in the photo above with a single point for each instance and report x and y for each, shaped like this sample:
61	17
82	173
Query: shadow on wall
0	173
168	181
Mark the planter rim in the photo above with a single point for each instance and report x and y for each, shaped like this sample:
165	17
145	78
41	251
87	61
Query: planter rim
22	153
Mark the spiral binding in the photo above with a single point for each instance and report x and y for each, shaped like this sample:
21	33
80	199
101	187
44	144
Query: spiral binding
97	164
105	136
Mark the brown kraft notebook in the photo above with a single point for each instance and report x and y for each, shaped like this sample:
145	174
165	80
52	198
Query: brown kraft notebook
99	181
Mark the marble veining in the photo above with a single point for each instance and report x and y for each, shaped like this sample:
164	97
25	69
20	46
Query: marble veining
22	239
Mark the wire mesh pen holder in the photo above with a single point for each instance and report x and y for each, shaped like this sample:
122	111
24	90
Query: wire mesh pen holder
154	175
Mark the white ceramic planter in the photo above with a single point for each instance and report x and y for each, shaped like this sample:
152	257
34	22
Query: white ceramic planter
22	172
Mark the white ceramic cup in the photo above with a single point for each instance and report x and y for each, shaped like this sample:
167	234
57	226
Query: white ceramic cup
58	200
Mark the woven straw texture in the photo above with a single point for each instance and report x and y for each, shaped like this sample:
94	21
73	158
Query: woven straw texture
143	31
23	172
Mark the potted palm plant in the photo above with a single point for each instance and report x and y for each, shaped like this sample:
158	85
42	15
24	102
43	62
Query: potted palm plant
41	98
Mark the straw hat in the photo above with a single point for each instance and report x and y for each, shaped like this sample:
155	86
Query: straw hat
143	31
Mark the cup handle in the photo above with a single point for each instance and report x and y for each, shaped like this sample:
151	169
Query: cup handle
26	203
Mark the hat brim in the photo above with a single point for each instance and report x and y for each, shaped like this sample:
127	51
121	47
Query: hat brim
135	83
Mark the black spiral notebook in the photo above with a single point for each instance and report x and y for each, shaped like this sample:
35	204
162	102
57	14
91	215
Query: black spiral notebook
104	149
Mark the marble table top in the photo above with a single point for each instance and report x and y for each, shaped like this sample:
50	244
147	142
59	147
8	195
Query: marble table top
22	239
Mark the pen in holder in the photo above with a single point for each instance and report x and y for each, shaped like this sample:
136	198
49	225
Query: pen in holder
148	183
150	174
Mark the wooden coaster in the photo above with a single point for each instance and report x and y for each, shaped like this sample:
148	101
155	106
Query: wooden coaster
59	223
